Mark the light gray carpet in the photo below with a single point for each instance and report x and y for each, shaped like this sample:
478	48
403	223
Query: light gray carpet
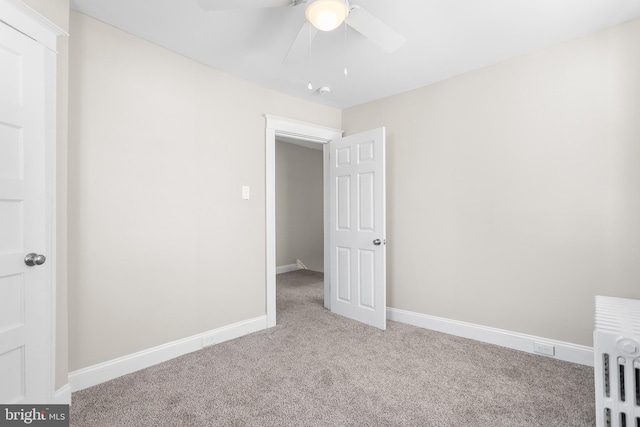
319	369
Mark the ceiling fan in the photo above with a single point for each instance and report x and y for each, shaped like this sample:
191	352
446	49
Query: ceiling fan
321	15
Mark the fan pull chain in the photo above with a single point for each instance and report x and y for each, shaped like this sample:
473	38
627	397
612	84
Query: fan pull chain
346	71
309	86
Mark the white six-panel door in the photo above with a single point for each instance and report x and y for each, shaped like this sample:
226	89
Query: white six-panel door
357	227
25	292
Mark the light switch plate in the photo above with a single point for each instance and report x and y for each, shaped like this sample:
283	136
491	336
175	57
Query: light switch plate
246	192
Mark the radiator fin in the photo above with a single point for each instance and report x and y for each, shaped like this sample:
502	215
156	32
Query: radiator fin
622	393
605	369
616	349
637	382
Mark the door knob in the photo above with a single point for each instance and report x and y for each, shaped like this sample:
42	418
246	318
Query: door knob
377	242
34	259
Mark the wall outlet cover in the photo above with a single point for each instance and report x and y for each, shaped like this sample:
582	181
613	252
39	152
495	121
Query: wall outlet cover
542	348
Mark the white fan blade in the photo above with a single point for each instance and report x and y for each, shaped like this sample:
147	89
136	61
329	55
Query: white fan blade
300	46
374	29
241	4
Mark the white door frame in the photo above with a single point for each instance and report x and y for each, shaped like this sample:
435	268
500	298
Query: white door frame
280	126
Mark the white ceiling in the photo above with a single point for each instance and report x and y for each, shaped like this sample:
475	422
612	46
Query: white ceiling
444	38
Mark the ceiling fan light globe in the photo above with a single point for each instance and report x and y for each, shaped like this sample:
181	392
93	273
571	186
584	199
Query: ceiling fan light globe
326	15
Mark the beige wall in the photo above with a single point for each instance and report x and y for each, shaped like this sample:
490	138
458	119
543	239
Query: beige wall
57	11
299	206
163	246
514	191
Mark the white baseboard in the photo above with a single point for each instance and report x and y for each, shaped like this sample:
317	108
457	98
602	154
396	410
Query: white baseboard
287	268
564	351
62	396
96	374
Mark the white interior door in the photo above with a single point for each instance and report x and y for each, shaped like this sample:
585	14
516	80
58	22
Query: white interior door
357	227
25	291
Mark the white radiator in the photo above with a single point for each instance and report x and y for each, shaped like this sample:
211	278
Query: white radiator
616	352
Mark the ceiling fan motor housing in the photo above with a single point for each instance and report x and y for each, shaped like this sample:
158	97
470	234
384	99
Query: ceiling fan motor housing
326	15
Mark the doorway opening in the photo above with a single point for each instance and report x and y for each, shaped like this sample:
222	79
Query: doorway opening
303	133
299	206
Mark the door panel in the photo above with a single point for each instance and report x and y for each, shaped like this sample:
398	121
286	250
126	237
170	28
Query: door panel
10	152
25	292
343	200
11	371
344	274
367	280
11	295
366	188
10	74
357	218
11	226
